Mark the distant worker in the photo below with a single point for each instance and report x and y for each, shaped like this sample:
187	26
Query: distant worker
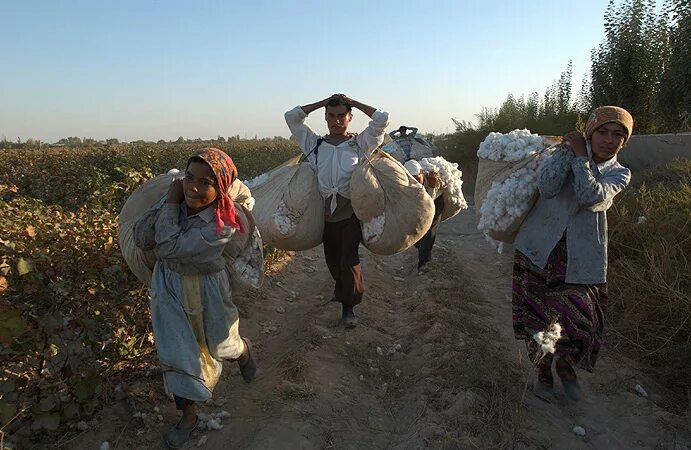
431	182
404	140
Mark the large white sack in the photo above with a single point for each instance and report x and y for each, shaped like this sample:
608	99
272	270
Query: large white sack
289	209
243	254
393	207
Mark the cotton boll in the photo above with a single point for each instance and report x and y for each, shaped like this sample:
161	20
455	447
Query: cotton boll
213	424
513	146
450	179
284	219
547	339
372	230
508	200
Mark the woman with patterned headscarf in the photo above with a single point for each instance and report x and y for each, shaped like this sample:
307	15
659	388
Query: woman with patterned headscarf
195	322
560	264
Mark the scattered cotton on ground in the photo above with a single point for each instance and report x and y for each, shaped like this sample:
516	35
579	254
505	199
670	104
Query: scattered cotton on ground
211	421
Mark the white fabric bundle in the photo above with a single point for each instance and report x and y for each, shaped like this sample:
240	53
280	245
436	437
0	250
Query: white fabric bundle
506	187
289	209
394	209
243	254
451	183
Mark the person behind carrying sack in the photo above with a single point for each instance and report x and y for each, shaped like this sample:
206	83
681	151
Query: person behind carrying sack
335	157
404	140
432	184
560	263
195	322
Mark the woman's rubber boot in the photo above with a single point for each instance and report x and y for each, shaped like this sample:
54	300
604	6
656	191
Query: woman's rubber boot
249	369
543	388
568	379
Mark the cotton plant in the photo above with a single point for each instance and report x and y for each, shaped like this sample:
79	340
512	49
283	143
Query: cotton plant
450	178
510	199
372	230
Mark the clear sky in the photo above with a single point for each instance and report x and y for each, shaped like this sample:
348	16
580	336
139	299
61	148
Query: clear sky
140	69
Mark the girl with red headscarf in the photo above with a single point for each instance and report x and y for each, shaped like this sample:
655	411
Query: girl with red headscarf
195	322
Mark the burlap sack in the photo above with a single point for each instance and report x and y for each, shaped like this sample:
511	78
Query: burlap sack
421	149
241	246
381	185
488	172
141	263
451	207
295	185
395	150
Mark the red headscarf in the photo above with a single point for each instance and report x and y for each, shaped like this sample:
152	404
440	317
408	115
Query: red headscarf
225	172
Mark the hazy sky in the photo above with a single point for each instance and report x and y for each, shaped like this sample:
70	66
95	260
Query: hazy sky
138	69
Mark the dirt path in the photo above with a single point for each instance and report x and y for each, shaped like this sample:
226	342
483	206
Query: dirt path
432	363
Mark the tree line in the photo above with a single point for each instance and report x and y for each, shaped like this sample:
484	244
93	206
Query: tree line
643	64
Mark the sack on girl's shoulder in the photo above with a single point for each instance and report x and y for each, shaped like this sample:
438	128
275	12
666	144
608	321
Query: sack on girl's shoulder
395	210
491	174
289	209
506	185
140	262
243	260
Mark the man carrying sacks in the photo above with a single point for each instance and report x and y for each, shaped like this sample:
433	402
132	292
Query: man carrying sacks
430	180
335	157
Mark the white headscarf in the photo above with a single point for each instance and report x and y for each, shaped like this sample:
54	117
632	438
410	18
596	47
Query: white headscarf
413	167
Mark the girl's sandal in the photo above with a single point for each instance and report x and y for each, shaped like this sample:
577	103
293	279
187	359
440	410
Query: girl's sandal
176	436
249	369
